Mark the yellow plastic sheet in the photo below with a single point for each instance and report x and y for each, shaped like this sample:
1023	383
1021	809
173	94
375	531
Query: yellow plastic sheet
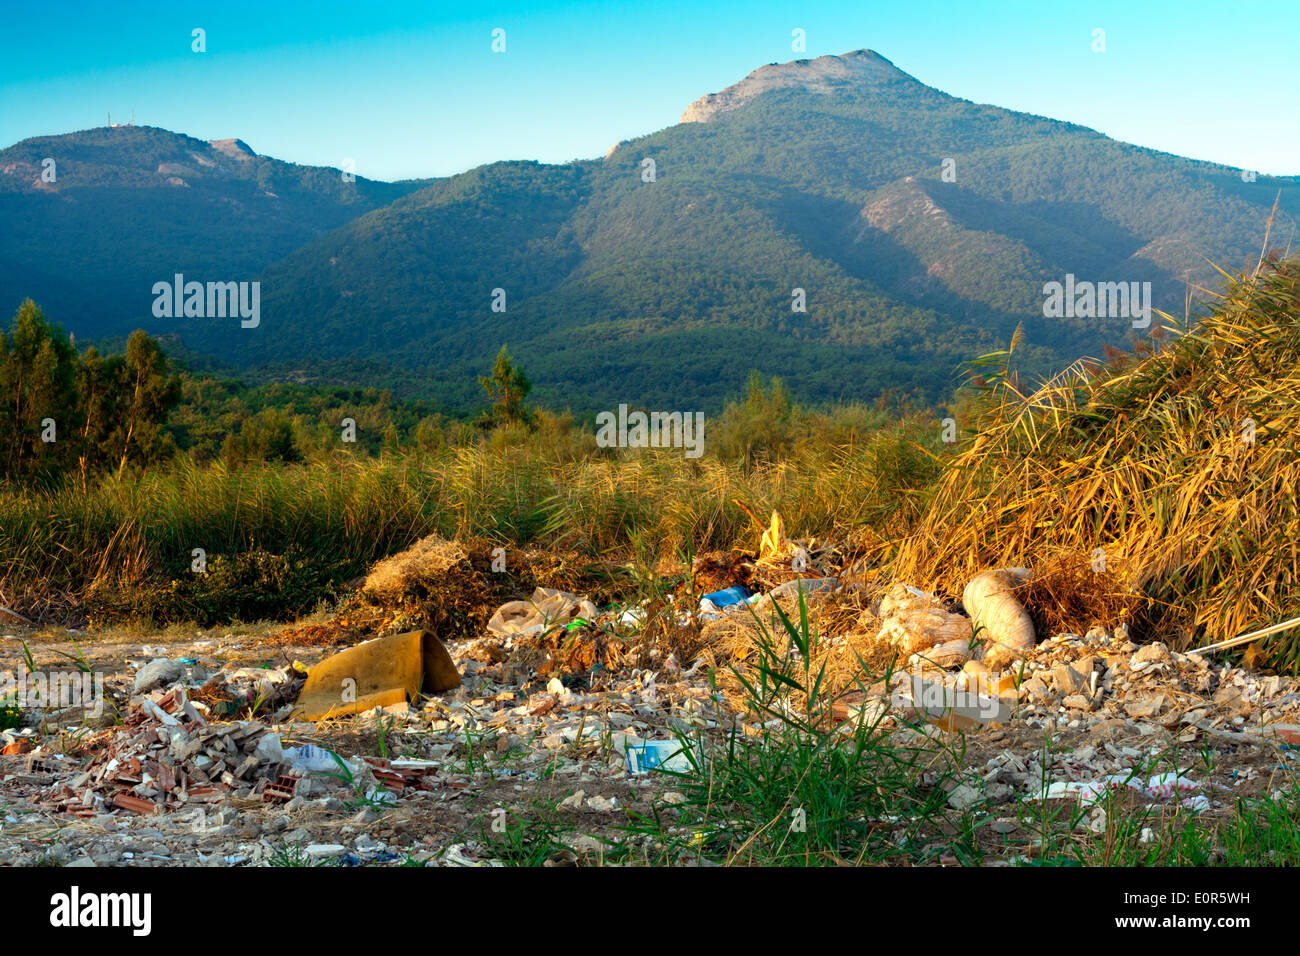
378	673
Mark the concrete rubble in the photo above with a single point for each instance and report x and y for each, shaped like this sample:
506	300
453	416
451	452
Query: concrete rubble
177	785
1093	712
173	779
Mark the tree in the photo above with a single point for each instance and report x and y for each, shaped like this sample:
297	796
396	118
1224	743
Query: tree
507	388
266	436
97	381
428	435
150	394
762	428
37	381
60	411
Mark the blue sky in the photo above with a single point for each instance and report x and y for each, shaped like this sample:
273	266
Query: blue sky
409	89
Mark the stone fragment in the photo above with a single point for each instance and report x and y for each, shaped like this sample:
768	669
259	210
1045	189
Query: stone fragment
158	673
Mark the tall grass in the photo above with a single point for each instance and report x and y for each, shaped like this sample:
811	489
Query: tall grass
343	513
1181	468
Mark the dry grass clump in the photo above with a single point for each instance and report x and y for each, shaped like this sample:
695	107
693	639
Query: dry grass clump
333	633
1066	595
558	567
41	602
422	566
432	584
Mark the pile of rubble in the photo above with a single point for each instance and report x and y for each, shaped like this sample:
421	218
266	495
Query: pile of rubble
170	757
199	783
1103	677
1085	715
549	700
167	757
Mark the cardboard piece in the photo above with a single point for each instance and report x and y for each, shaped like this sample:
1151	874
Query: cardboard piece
378	673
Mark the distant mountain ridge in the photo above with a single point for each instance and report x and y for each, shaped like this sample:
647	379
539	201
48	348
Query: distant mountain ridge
920	227
131	205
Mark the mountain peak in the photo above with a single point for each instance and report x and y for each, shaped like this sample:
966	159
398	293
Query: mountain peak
823	75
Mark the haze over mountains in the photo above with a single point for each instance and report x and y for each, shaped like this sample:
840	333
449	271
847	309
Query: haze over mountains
921	227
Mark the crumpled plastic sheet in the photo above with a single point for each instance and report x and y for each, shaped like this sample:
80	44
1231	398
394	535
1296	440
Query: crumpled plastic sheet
1162	786
544	609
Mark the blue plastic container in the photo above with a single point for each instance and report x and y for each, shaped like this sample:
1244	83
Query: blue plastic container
728	597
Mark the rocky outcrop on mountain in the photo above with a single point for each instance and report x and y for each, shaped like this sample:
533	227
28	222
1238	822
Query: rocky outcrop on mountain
234	148
823	75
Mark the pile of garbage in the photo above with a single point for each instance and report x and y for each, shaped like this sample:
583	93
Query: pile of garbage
557	687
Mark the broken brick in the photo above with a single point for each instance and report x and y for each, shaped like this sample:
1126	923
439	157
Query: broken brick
135	804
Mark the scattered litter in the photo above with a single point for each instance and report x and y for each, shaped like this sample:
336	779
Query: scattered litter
325	851
719	601
158	673
997	614
1247	638
1163	787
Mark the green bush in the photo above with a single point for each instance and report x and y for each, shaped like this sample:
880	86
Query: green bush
253	586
